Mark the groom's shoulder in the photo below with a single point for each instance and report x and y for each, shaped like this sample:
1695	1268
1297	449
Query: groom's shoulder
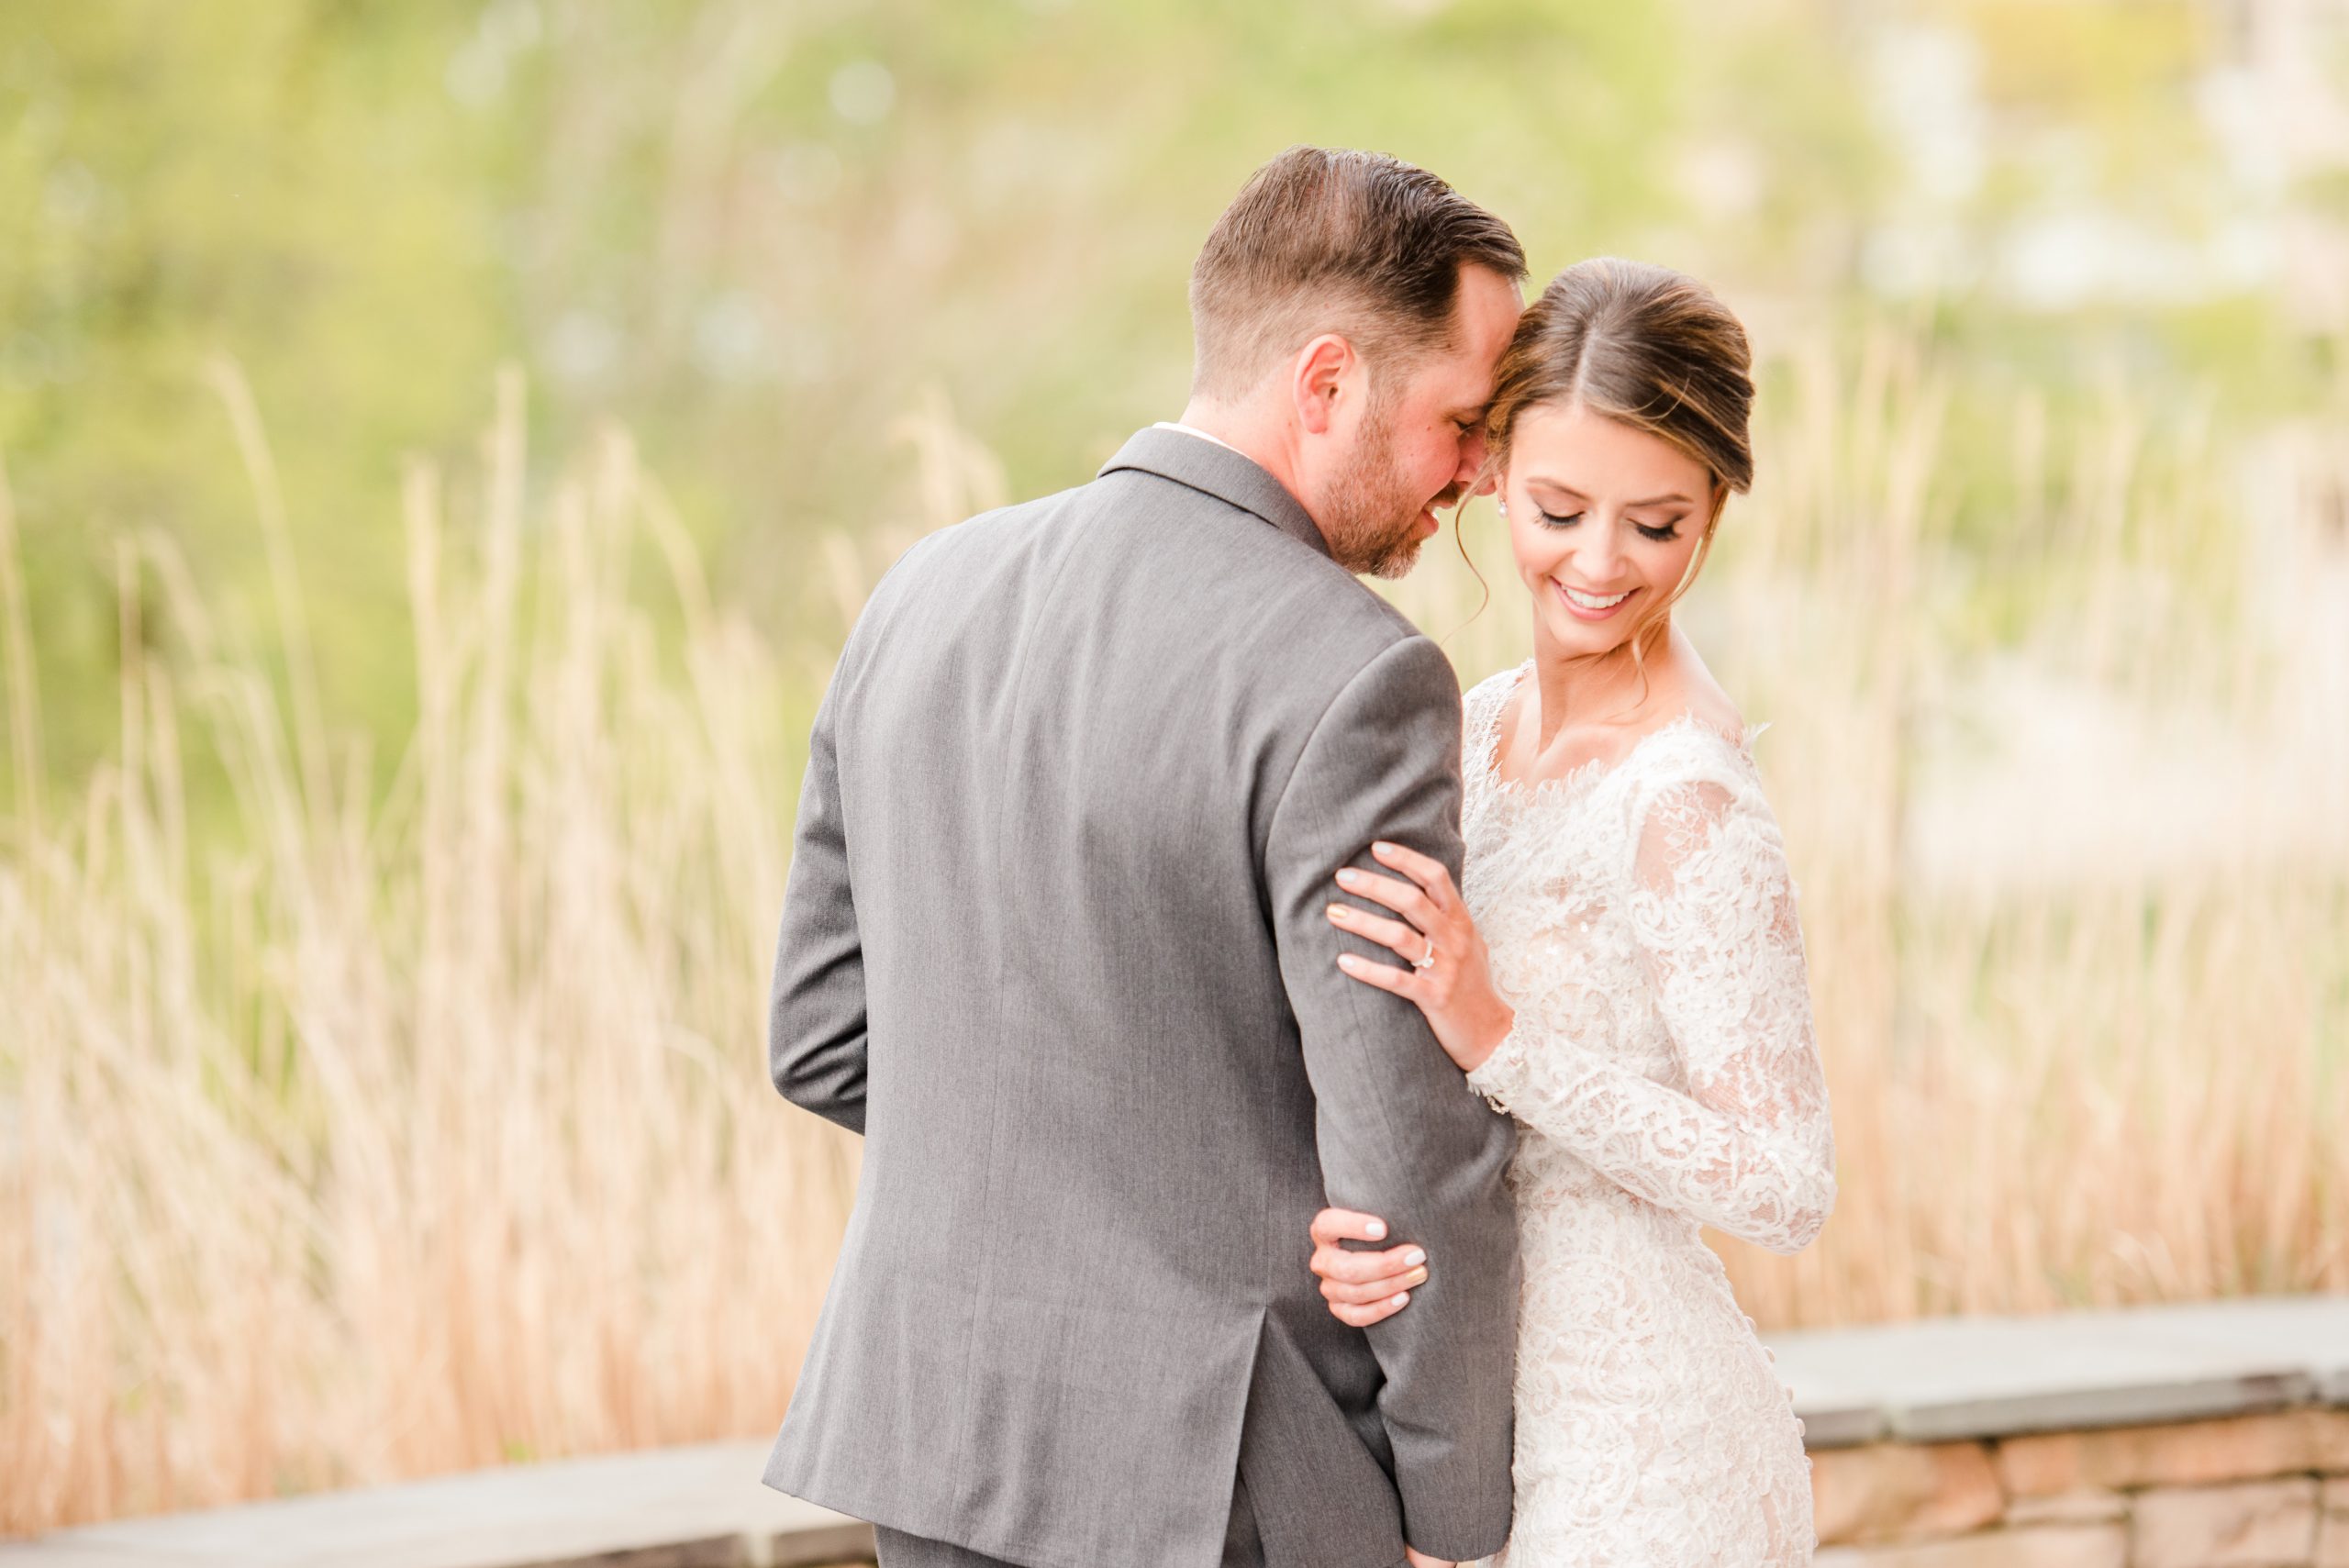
1278	599
1307	626
950	546
1349	654
1257	557
991	526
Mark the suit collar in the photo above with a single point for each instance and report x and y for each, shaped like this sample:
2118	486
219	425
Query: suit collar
1219	472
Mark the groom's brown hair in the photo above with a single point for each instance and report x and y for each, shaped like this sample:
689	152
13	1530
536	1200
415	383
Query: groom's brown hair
1323	239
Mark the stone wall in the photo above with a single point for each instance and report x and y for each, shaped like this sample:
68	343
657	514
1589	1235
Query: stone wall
2207	1436
2266	1491
2178	1437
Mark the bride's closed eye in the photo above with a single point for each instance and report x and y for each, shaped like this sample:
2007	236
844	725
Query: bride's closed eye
1551	520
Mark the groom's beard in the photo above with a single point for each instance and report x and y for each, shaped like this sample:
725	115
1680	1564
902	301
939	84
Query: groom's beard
1372	520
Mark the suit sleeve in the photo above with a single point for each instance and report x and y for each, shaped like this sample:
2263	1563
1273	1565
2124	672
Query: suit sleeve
816	1019
1399	1136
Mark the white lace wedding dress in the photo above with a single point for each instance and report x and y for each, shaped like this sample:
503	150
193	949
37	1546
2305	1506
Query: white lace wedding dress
1640	919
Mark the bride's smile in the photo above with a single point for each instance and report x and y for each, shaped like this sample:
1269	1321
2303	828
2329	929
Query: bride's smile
1604	522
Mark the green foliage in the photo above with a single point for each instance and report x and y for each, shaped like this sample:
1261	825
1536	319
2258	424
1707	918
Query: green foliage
759	234
266	182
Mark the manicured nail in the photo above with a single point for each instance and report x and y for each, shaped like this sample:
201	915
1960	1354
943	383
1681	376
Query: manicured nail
1382	848
1415	1256
1416	1276
1348	963
1376	1228
1400	1300
1339	912
1348	876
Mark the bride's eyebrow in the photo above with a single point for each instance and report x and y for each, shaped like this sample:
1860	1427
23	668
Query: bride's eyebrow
1676	498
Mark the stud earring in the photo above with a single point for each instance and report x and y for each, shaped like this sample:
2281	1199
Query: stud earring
1502	507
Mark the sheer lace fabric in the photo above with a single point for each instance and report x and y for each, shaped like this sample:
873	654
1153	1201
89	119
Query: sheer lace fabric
1642	920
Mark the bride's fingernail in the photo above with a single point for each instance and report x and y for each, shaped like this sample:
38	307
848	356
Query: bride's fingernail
1377	1229
1415	1256
1416	1276
1401	1299
1338	913
1348	876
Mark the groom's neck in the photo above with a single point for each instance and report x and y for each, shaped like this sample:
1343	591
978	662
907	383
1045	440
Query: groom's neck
1267	440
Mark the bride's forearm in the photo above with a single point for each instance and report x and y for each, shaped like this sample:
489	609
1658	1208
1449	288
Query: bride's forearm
1664	1145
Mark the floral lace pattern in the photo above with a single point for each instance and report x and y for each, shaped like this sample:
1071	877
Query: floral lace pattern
1642	920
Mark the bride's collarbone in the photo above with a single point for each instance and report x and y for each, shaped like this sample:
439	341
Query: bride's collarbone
1522	757
1575	748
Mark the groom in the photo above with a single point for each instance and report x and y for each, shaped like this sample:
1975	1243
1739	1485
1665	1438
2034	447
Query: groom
1055	943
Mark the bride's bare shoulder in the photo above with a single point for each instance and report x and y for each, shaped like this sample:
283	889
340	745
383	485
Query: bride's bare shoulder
1683	684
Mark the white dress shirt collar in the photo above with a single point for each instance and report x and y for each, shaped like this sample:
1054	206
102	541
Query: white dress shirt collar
1195	430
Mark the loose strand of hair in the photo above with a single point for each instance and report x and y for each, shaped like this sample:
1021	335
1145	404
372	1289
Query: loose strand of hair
1460	537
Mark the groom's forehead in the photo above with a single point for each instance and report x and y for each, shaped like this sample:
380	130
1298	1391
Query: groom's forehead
1484	317
1458	379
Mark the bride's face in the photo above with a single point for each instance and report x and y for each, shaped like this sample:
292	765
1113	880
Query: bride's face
1603	519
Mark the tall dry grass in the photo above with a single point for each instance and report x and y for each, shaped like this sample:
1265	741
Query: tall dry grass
388	1135
425	1131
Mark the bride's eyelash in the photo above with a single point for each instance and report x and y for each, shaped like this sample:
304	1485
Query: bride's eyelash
1669	531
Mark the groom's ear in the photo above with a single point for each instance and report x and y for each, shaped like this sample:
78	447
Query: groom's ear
1321	376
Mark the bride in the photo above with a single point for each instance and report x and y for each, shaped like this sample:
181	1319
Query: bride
1621	969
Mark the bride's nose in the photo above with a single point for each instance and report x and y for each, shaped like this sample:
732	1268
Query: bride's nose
1596	553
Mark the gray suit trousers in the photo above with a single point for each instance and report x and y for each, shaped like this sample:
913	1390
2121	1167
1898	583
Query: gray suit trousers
1242	1546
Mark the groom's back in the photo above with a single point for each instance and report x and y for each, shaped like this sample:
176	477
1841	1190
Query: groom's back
1059	759
1064	745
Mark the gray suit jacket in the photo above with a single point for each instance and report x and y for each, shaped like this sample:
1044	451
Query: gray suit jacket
1053	942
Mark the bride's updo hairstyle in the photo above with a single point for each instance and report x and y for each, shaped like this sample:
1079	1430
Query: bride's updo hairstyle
1646	347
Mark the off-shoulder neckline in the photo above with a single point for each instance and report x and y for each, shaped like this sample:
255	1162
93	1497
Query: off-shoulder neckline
1488	747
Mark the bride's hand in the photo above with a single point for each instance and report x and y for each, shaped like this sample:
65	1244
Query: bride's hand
1363	1288
1448	978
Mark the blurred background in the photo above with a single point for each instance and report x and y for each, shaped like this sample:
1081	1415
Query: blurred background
442	447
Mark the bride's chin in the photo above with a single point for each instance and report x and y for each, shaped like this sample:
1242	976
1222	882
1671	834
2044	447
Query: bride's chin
1582	638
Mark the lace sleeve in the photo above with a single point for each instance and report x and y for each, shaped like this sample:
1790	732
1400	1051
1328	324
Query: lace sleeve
1750	1148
